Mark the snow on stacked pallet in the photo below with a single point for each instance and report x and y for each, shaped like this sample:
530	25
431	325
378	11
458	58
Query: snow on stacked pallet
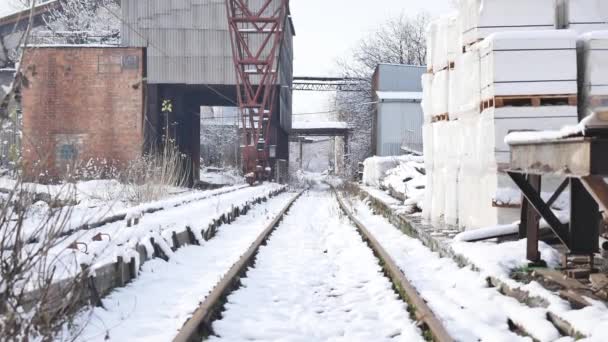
593	76
512	71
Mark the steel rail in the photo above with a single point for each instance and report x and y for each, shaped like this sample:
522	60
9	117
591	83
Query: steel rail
422	311
198	327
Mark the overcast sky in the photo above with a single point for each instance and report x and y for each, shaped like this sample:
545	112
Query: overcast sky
328	29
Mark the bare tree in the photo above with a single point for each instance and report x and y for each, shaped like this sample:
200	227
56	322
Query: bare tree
401	40
37	301
82	22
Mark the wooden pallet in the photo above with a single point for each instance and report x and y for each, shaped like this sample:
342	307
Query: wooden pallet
598	101
529	101
441	117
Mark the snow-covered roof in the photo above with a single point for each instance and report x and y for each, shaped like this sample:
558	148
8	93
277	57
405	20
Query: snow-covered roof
319	125
398	95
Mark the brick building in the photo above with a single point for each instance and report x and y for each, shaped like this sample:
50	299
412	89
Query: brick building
81	103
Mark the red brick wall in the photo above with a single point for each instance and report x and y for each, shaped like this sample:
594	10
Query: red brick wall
81	103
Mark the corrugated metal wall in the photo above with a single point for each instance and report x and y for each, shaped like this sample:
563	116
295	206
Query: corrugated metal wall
188	42
396	77
399	125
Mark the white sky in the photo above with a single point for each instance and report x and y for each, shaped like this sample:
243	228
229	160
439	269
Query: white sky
328	29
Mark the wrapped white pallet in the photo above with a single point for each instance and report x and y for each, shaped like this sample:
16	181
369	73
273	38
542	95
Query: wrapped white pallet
455	91
586	15
454	37
427	136
468	175
481	18
593	77
431	34
439	165
465	88
440	44
528	63
452	136
427	97
440	92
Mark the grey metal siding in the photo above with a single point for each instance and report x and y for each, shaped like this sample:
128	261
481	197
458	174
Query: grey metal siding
399	125
395	77
188	41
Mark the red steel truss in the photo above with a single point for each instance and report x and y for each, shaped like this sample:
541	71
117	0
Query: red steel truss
256	32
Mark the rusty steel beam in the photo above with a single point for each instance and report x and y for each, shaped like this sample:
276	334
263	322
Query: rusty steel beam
326	84
535	199
256	35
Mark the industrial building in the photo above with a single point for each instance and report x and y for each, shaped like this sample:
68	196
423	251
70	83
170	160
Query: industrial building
184	58
398	117
189	61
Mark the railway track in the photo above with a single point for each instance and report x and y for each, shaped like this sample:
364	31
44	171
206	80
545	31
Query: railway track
315	273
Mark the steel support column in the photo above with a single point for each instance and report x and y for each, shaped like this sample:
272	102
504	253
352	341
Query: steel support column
256	34
585	220
529	226
535	199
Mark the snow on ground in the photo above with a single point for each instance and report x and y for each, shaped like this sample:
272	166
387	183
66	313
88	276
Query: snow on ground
315	280
99	199
460	297
119	240
156	305
216	176
498	260
403	177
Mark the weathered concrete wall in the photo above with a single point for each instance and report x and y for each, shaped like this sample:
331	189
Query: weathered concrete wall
81	103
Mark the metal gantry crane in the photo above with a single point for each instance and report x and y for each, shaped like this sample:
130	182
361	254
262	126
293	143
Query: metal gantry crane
256	33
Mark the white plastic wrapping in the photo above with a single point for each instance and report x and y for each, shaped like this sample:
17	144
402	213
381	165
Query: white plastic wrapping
439	164
427	96
427	136
468	87
440	44
441	93
454	37
451	170
431	34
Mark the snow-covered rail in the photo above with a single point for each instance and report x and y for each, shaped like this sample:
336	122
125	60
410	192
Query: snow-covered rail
459	282
421	310
314	279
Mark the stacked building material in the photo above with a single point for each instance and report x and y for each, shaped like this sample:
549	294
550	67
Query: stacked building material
593	78
583	15
514	71
481	18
